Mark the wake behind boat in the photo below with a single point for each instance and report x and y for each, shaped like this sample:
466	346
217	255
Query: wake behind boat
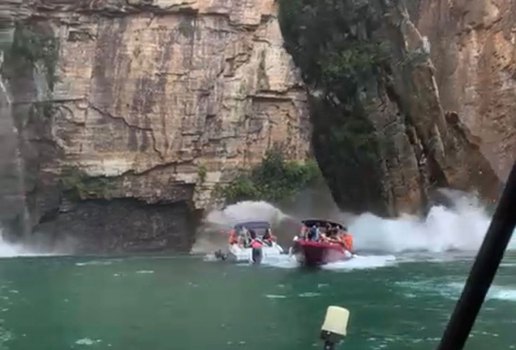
250	241
321	242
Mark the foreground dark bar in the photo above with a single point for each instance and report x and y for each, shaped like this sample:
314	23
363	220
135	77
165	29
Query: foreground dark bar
483	270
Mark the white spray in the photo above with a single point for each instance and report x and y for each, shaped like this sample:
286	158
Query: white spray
8	250
211	235
460	228
246	211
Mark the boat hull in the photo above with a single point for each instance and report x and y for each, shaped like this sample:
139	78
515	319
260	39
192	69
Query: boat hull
239	254
311	253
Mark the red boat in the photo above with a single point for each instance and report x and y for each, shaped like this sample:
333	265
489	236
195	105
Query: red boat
327	248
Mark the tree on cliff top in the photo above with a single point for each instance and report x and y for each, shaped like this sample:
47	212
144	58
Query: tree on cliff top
335	44
274	180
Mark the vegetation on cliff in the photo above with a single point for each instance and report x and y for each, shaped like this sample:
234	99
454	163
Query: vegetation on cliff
79	185
33	47
332	43
274	180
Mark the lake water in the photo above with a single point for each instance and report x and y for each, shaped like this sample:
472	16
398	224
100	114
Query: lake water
186	302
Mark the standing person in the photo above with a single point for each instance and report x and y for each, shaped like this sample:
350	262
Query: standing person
314	233
244	237
255	241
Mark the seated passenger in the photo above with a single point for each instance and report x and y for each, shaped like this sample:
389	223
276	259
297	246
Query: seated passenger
347	240
248	237
333	236
304	233
313	234
268	238
233	237
244	237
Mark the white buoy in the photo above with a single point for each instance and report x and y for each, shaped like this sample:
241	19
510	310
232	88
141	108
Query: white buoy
335	325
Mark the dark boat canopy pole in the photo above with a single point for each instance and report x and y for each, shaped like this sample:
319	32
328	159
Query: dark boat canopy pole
484	269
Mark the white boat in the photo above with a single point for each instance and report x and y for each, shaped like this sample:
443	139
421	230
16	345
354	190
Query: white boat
251	241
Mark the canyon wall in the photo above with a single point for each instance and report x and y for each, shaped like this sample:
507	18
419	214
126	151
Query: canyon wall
12	192
119	118
474	53
131	111
382	137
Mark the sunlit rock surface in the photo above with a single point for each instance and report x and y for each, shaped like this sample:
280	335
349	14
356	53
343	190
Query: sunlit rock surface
153	101
473	50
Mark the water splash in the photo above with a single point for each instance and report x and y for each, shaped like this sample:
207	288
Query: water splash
360	262
453	290
460	228
212	236
8	250
246	211
12	250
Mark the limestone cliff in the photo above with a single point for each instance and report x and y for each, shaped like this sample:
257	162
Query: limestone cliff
147	105
119	117
381	136
473	50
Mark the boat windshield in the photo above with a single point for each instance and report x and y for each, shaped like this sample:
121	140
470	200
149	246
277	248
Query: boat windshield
321	223
260	227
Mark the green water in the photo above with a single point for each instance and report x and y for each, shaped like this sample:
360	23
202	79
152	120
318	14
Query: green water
186	303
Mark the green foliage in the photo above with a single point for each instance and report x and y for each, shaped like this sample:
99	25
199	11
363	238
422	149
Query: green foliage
31	46
343	71
335	44
275	179
201	173
81	186
186	27
44	109
330	42
243	188
415	57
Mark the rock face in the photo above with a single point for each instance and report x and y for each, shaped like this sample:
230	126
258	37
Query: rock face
118	118
475	59
147	104
12	193
381	135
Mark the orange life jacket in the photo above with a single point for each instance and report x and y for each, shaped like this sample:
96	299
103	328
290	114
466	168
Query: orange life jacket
348	241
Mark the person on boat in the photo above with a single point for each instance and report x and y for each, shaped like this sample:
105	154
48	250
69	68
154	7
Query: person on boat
243	238
325	233
313	234
268	238
255	242
304	232
233	237
347	240
246	238
333	236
